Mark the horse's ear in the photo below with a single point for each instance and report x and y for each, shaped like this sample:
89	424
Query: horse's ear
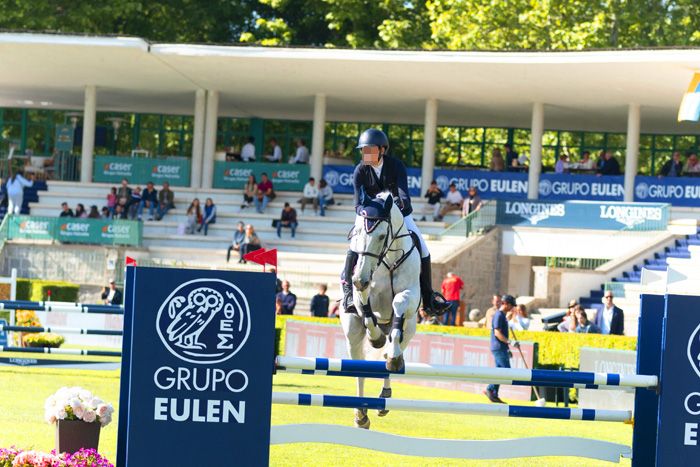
388	204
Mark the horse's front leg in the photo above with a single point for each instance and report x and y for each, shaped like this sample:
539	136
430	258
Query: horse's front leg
397	336
374	333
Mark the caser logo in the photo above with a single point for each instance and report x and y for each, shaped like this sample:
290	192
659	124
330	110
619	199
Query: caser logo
117	167
204	321
694	350
166	169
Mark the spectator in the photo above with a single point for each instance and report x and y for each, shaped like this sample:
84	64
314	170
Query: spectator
80	211
452	287
692	167
287	299
320	302
251	242
194	216
584	326
434	196
112	199
519	320
248	150
472	203
237	242
499	343
325	196
15	191
288	219
511	157
106	213
497	163
134	203
149	199
250	190
120	213
310	195
66	211
264	194
94	213
672	167
611	319
112	295
208	217
568	323
610	165
485	322
562	164
586	161
453	201
601	161
276	155
124	194
278	282
302	154
166	200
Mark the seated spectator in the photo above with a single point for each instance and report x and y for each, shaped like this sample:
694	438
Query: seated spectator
248	150
250	190
453	201
586	162
287	299
511	157
66	211
472	202
264	194
302	154
149	199
434	196
208	217
568	324
610	165
520	319
325	196
194	217
692	167
120	213
562	164
94	213
237	242
288	220
80	211
112	199
497	163
310	195
584	326
672	167
319	302
124	194
112	295
251	242
106	213
134	203
166	200
276	155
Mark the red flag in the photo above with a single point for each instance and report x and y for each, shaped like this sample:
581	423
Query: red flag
269	257
253	256
130	261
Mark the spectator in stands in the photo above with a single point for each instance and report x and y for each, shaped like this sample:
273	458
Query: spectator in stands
112	199
485	321
511	157
600	161
248	150
499	343
452	287
568	323
586	162
94	213
134	203
310	195
497	163
124	194
80	211
276	155
610	165
320	302
434	196
453	201
15	186
672	167
250	191
325	196
120	213
519	319
106	213
251	242
194	216
278	282
562	164
472	203
264	194
584	326
166	200
302	154
611	319
208	217
66	211
149	199
237	242
692	167
112	295
288	220
288	300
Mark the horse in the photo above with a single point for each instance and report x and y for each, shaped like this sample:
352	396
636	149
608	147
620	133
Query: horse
386	290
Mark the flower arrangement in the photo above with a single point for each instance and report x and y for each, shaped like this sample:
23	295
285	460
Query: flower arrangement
13	457
44	339
77	404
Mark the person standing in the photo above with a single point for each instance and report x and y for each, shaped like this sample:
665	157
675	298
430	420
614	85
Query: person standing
672	167
499	343
248	150
452	287
302	154
611	319
15	191
287	300
319	302
276	155
112	295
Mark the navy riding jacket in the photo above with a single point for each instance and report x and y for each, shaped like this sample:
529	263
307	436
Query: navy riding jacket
392	178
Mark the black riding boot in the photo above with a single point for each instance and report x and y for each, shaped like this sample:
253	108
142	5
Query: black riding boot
433	302
350	262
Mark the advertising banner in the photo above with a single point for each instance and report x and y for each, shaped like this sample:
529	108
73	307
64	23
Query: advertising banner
678	191
596	360
64	138
139	171
285	177
339	177
76	230
196	385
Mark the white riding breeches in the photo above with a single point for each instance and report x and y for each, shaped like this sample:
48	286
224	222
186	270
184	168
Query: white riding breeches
14	203
411	225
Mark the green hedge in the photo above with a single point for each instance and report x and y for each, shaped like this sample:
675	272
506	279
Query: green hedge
554	349
37	290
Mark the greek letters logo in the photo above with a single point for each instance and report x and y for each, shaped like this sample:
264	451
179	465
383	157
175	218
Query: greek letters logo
694	350
443	182
204	321
642	190
545	187
332	178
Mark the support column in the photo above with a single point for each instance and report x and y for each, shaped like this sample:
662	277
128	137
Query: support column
200	106
429	135
210	138
632	151
317	136
88	149
536	133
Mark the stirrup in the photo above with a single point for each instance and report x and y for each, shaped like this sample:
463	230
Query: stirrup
438	305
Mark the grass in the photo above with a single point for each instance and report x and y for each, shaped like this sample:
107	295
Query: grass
23	390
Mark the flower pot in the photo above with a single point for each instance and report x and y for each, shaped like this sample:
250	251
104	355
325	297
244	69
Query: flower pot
73	435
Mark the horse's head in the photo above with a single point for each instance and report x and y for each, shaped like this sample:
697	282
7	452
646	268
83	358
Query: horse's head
373	233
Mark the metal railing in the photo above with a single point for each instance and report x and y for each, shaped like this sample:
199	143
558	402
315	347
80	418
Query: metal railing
574	263
475	223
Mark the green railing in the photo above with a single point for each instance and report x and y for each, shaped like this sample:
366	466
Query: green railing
574	263
476	223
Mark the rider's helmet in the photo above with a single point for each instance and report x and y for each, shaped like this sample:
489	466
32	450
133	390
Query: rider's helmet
373	137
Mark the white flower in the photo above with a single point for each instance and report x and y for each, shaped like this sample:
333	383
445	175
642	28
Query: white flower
50	402
106	420
89	416
84	394
95	402
102	410
61	413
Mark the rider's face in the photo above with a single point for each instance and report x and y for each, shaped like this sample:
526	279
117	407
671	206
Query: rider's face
370	155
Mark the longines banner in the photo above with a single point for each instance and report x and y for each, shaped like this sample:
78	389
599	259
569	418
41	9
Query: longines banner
76	230
197	363
138	170
285	177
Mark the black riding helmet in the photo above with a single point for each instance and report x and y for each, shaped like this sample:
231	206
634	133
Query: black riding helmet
373	137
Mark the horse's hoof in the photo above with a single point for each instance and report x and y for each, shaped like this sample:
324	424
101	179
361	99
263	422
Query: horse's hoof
379	343
361	419
395	364
386	394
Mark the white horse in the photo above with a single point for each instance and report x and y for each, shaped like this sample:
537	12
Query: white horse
386	290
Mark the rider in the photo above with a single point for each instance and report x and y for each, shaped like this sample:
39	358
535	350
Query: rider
376	173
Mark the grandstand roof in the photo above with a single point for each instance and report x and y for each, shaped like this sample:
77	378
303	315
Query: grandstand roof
581	90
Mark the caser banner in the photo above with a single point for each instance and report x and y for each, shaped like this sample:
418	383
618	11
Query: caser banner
76	230
112	169
285	177
339	177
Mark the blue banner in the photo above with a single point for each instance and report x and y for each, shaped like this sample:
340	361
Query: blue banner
490	185
3	333
582	215
339	177
582	187
678	191
197	356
